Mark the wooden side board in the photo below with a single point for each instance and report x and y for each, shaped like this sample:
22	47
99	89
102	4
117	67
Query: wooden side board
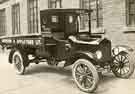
27	41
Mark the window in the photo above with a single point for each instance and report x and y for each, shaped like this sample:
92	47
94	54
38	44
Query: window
85	4
84	21
2	22
2	1
55	19
33	16
131	12
70	19
16	19
97	14
54	3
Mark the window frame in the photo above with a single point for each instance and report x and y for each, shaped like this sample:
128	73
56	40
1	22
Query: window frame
129	14
16	29
33	21
53	3
98	7
3	22
54	19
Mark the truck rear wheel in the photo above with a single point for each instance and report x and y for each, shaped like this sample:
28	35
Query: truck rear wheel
19	59
85	75
11	56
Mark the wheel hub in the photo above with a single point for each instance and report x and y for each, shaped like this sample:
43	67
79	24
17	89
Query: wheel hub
121	64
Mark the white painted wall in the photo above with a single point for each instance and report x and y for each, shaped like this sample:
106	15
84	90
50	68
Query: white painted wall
65	4
70	3
43	4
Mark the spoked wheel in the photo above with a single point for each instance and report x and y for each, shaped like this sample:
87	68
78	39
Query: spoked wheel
85	75
18	61
123	66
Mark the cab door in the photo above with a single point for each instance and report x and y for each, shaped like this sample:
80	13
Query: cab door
71	25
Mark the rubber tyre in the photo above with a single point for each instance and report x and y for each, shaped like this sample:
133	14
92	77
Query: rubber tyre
92	69
130	58
22	59
11	56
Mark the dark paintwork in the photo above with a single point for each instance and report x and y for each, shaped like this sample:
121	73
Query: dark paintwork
54	38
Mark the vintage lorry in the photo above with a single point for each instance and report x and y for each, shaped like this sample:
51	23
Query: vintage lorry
61	38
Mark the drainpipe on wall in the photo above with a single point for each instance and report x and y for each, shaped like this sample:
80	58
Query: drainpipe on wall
97	14
89	17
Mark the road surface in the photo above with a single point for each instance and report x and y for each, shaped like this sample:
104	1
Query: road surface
42	79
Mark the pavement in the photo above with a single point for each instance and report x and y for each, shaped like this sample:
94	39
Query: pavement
43	79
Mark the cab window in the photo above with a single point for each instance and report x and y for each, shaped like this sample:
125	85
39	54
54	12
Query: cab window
70	19
55	19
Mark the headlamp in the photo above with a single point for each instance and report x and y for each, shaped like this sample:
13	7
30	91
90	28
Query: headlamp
98	54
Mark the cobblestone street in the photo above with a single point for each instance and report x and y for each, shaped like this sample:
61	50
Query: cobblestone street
42	79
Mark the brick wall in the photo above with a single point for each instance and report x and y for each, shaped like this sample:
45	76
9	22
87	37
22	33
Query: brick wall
114	22
114	12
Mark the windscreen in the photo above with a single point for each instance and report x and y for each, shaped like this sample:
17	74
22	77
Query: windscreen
83	20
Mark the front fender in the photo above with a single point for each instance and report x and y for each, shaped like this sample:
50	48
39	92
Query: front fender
119	48
82	54
78	55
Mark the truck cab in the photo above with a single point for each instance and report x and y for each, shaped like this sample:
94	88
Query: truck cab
63	22
62	27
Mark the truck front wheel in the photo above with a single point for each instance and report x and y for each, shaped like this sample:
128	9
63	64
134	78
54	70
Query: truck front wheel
123	65
19	59
85	75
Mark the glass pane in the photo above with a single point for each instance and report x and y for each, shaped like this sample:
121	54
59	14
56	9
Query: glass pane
2	22
132	1
33	16
132	8
16	19
132	19
55	19
93	15
100	13
100	22
70	19
84	22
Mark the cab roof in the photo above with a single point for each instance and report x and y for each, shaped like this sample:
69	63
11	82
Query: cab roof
61	10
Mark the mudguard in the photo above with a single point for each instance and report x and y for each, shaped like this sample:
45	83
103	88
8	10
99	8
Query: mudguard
80	54
119	48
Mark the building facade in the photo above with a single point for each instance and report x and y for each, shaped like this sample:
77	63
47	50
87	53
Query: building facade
116	17
119	20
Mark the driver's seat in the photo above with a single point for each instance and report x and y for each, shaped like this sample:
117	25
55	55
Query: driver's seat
91	41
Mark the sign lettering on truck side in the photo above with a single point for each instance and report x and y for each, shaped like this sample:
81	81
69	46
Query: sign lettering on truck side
19	41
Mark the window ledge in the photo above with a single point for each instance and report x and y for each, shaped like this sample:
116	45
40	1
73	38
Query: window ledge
98	30
129	29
